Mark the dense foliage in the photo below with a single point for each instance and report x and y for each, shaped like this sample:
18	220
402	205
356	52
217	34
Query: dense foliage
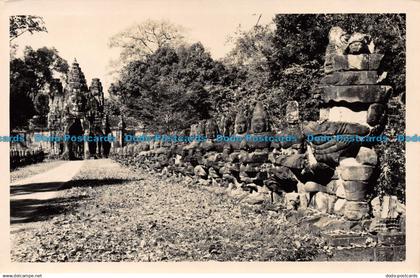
167	91
20	24
30	78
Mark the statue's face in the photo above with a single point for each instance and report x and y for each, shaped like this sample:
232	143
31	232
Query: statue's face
77	103
211	131
258	124
355	47
240	127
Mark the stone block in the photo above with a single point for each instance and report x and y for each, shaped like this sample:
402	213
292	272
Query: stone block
277	198
303	200
355	190
375	114
283	173
348	161
234	157
320	202
355	173
384	254
349	240
399	253
391	207
332	199
344	114
300	187
292	200
295	161
357	254
199	171
376	207
324	114
351	78
331	151
311	186
331	187
365	62
356	210
255	157
256	198
375	61
367	156
334	128
391	239
356	93
253	145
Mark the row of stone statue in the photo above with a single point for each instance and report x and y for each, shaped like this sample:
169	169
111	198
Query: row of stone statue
259	168
25	157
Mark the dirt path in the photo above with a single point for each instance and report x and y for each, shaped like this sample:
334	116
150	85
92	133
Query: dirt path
108	212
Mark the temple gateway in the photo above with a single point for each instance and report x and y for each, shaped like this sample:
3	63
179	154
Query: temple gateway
78	109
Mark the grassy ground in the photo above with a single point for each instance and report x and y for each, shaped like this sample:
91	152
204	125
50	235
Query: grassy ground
33	169
111	213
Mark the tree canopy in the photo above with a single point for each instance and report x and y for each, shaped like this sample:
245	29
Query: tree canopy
140	40
20	24
167	91
30	78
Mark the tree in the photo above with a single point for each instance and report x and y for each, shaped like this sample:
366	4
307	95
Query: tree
141	40
168	89
20	24
30	77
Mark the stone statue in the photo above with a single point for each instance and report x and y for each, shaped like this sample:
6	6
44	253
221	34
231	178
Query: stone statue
358	44
337	43
259	121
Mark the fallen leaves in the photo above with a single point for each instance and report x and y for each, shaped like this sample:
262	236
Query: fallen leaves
131	215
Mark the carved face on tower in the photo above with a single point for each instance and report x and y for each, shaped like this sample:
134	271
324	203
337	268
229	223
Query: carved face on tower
241	123
259	121
77	102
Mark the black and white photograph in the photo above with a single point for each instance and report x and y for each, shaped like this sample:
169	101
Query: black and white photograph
201	136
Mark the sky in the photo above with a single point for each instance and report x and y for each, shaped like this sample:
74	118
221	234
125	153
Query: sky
82	30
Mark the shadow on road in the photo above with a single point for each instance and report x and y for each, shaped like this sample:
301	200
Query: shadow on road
54	186
32	210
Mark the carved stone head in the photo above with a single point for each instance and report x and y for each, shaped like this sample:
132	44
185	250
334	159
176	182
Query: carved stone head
358	44
211	129
338	39
292	112
241	123
259	121
225	125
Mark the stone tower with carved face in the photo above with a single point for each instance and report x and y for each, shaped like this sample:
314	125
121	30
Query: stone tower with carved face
77	110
